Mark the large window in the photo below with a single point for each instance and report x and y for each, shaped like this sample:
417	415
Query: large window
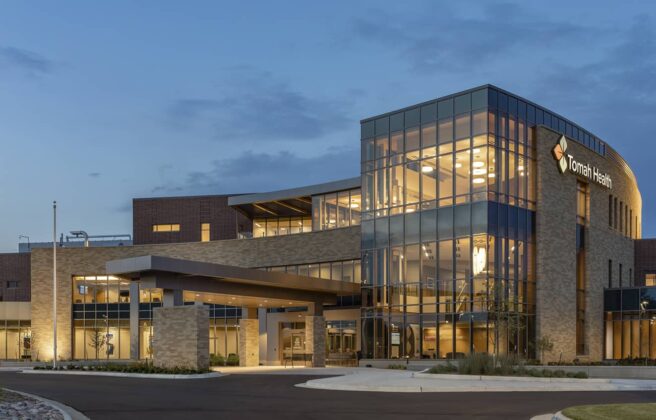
336	210
101	317
16	340
348	271
279	226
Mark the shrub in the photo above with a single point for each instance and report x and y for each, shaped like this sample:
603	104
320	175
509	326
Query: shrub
559	373
507	364
447	368
233	360
217	360
476	364
547	373
397	367
581	375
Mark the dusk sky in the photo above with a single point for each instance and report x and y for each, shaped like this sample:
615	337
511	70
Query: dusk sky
101	102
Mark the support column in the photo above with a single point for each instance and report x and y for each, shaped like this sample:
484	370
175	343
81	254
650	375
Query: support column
249	343
181	337
172	297
315	335
134	320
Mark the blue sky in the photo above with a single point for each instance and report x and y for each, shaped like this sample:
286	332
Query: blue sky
101	102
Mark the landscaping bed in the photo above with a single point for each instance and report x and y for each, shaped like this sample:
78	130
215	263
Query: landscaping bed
142	368
485	365
18	406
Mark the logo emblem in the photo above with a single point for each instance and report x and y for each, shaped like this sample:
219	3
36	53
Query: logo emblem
559	154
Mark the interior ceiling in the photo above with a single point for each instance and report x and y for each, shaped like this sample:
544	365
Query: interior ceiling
291	207
241	301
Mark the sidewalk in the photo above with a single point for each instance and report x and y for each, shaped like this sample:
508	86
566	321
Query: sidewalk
381	380
282	370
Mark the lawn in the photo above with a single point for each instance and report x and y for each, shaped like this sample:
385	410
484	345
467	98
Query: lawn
612	412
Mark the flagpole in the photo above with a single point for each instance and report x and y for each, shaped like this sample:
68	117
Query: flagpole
54	283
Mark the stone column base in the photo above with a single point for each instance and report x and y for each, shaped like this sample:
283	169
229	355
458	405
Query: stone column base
315	339
181	337
249	342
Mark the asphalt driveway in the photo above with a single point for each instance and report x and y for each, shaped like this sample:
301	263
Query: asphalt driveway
275	397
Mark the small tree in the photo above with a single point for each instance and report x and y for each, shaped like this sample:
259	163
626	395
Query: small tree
30	343
544	344
97	340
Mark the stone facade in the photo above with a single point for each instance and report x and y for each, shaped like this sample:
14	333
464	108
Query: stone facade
332	245
181	337
315	339
249	342
556	247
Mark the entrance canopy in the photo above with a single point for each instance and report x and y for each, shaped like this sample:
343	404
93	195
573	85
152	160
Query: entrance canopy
232	284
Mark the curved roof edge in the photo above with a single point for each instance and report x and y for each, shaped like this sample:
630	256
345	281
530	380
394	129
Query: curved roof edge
327	187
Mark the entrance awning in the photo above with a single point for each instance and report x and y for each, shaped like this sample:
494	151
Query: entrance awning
179	274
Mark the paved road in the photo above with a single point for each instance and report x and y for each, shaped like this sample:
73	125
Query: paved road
271	397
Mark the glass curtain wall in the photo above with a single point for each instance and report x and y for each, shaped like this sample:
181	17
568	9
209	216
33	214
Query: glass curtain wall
447	230
348	271
101	317
336	210
16	340
630	323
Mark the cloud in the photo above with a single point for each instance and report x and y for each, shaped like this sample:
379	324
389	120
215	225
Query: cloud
253	105
260	172
94	175
27	61
441	38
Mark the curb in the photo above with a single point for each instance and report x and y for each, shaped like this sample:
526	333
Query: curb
125	375
424	375
69	413
425	389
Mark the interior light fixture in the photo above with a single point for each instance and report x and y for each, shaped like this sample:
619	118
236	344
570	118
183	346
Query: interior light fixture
478	164
458	165
426	169
492	175
479	171
478	180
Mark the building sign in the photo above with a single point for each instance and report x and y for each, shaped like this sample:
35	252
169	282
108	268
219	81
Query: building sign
567	162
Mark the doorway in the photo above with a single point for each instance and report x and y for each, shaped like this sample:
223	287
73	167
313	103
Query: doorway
292	338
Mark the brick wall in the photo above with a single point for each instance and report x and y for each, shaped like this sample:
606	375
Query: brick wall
333	245
189	212
15	267
556	247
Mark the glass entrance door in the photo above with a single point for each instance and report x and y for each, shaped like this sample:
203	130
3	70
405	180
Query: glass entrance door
292	338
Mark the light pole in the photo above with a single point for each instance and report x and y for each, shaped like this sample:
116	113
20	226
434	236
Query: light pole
54	283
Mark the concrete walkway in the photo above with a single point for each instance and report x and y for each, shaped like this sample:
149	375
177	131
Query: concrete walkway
381	380
282	370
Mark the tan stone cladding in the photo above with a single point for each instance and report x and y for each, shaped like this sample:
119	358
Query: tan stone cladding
556	246
249	344
181	337
332	245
